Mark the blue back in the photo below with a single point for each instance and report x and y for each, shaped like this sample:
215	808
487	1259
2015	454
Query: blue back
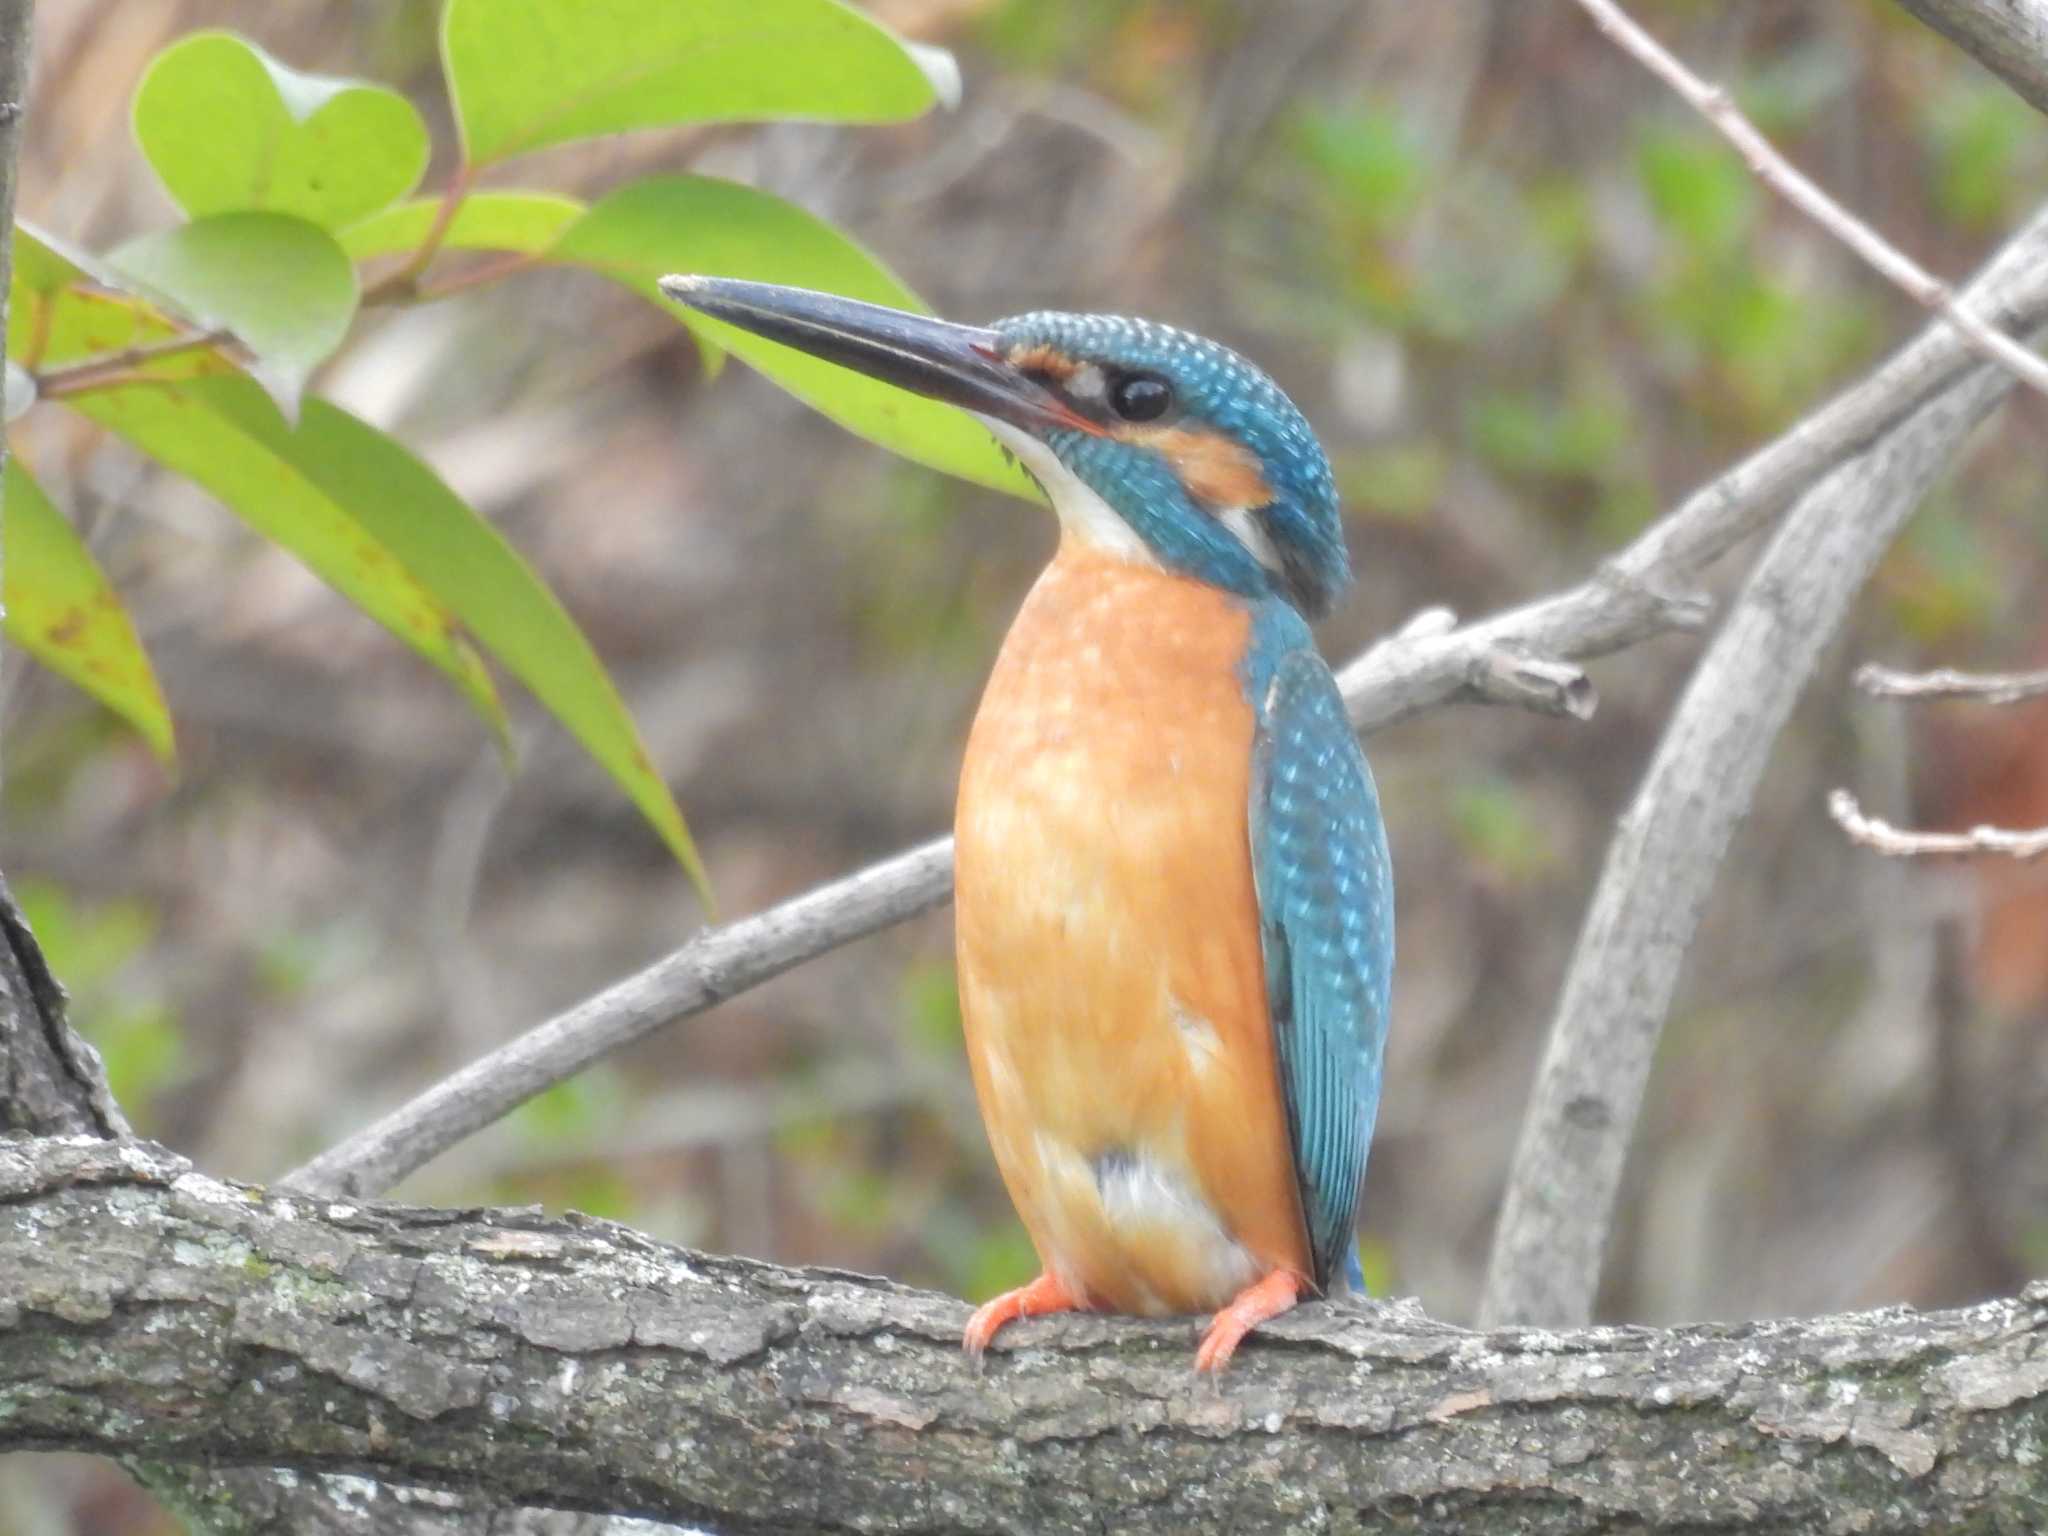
1326	913
1319	847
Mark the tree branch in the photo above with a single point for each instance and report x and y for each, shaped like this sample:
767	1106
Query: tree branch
53	1085
51	1081
1946	683
1779	174
2008	37
153	1311
1660	870
716	965
1895	842
1519	656
1645	589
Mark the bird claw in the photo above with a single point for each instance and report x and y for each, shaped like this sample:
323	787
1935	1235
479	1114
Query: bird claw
1258	1302
1048	1293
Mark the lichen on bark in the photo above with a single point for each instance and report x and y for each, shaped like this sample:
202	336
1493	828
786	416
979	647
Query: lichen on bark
155	1312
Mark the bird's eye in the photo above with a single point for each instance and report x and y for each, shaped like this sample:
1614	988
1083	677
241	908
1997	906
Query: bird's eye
1140	397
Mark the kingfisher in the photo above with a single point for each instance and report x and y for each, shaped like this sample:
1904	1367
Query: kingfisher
1174	906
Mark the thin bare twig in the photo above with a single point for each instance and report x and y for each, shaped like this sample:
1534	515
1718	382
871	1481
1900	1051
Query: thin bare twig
1779	174
1899	843
1646	588
1641	591
1946	683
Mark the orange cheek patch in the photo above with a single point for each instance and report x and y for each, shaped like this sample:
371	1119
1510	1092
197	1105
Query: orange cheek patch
1218	472
1043	359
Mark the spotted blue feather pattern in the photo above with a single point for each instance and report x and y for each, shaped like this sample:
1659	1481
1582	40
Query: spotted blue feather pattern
1218	389
1319	847
1326	912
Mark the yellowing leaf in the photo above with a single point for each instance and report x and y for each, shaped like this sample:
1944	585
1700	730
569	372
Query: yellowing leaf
61	610
52	319
221	431
464	563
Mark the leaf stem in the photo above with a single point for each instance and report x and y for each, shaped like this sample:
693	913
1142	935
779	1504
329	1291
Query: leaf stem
510	264
111	367
404	283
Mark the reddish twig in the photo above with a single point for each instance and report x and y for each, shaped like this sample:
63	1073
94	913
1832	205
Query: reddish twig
113	367
404	282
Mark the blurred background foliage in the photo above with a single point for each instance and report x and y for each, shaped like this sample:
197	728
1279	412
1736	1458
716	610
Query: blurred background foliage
1527	300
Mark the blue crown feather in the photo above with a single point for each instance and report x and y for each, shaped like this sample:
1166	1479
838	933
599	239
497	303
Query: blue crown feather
1214	391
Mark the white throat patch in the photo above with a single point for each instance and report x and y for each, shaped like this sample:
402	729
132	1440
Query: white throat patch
1248	532
1083	514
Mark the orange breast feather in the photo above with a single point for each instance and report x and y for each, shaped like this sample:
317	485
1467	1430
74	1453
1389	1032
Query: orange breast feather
1111	978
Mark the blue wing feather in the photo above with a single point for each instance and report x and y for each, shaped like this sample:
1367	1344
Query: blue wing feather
1326	909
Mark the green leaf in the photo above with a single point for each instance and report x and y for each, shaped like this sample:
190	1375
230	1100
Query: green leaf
227	128
220	430
696	224
526	222
44	329
61	610
406	509
280	284
41	262
524	74
486	221
66	303
51	320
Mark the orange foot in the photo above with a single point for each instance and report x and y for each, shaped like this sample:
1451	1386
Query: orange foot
1048	1293
1255	1304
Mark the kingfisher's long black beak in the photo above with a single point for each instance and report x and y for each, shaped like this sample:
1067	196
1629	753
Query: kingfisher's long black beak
962	365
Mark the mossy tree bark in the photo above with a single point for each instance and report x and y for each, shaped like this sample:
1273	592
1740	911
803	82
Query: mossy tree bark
153	1312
